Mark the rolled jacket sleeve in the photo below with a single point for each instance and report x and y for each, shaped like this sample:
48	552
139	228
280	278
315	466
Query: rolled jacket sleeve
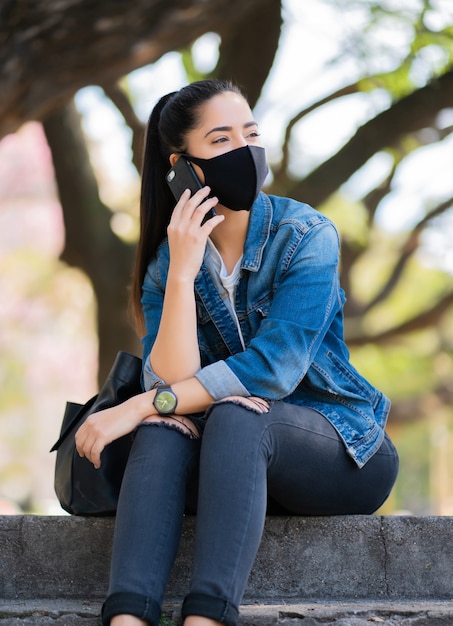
150	379
220	382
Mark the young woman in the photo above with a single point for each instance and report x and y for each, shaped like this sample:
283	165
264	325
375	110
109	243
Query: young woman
250	401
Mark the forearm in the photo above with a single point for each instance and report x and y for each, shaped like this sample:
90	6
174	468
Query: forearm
192	398
106	426
175	354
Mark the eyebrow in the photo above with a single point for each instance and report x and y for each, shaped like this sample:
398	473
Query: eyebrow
229	128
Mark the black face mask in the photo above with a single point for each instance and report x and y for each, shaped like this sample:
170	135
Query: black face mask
235	177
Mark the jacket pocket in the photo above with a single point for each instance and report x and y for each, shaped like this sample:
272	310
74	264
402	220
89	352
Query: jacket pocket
351	380
338	378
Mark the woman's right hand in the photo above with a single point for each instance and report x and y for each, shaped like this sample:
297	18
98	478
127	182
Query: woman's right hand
105	426
175	355
186	236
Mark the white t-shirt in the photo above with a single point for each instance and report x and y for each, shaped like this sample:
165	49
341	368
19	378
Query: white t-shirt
228	281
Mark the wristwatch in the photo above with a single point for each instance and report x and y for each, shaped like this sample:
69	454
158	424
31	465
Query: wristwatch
165	400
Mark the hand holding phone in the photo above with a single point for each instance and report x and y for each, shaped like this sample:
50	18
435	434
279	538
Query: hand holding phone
182	176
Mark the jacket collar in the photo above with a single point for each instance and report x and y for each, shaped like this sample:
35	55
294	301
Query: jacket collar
257	233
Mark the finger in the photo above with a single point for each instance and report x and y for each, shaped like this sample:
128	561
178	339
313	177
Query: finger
203	209
211	223
202	194
181	203
95	454
261	404
92	451
189	206
88	446
80	438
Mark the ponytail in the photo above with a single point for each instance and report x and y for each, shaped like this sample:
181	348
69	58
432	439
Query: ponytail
171	119
156	205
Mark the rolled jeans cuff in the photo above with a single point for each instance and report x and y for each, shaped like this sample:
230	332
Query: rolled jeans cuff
128	603
211	607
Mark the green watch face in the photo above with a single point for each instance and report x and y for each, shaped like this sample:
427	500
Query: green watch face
165	401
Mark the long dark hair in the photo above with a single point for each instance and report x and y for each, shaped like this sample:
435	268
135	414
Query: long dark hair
171	119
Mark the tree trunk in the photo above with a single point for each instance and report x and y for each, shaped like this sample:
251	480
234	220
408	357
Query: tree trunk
248	48
90	243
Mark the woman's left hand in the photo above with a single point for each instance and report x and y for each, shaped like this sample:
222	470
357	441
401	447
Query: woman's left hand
259	405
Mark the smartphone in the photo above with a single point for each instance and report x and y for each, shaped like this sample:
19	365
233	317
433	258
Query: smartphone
182	176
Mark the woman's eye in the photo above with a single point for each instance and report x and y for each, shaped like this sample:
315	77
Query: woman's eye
220	140
254	134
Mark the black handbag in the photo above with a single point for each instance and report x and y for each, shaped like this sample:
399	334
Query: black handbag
80	488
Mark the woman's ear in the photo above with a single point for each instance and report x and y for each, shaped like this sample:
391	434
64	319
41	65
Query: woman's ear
173	158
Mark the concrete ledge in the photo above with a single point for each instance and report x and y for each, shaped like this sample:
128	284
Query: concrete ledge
360	613
300	560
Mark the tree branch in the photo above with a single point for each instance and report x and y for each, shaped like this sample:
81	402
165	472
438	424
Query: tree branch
407	250
51	49
374	197
124	106
431	317
280	173
408	115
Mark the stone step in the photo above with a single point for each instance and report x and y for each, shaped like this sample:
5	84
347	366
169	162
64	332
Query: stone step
343	571
359	613
300	559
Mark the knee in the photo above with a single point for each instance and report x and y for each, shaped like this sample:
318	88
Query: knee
238	406
226	414
233	435
233	417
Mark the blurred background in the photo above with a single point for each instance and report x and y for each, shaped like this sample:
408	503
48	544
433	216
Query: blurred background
354	99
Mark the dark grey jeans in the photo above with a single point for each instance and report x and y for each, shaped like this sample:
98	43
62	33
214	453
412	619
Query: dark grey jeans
287	461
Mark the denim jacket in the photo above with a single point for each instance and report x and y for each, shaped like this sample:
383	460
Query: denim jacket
289	304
